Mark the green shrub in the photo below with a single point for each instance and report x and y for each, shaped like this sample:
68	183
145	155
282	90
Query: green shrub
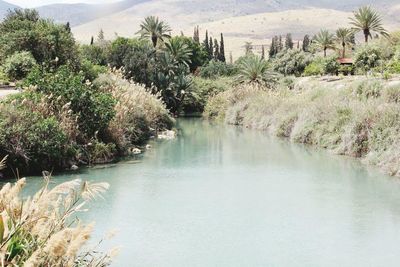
314	69
18	65
94	109
291	62
201	90
96	54
367	57
91	71
215	69
33	142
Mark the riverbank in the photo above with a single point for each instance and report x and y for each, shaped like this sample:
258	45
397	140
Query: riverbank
60	123
353	116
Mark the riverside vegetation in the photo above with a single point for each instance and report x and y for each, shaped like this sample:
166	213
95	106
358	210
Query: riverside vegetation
86	104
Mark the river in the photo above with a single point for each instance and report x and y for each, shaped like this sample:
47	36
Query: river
225	196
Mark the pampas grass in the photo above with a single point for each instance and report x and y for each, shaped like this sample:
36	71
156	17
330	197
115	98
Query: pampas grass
41	230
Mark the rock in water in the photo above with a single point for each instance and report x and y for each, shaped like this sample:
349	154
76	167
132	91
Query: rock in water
74	167
167	135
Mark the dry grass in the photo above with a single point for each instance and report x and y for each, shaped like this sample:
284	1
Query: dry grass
138	112
358	118
42	230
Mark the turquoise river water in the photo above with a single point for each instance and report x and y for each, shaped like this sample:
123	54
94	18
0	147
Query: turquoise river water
225	196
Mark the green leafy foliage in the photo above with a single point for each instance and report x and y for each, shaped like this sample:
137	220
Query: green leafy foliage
93	108
17	66
49	43
291	62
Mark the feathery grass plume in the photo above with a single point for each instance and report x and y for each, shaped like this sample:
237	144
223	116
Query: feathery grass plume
138	112
42	230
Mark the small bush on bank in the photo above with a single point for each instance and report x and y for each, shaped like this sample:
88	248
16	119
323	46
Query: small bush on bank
201	90
322	66
18	65
215	69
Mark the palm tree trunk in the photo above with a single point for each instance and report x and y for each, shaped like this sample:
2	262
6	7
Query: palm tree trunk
154	40
324	52
366	34
344	50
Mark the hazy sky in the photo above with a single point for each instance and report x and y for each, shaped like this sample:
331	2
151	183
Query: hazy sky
33	3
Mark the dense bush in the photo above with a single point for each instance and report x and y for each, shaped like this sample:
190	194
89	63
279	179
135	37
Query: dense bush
201	91
323	66
32	141
49	43
94	109
18	65
215	69
367	57
96	54
291	62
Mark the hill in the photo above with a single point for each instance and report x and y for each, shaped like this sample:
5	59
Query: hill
4	7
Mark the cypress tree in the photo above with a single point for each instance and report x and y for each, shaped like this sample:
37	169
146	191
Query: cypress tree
100	37
211	49
216	49
262	52
248	48
280	44
273	48
289	41
306	43
196	35
222	49
68	27
92	40
206	45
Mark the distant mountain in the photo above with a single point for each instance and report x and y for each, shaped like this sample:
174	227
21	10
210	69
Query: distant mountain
4	7
77	14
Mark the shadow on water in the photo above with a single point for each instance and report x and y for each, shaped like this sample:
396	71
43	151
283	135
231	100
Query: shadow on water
226	196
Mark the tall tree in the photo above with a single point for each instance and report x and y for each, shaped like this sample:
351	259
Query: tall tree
368	20
262	52
343	37
68	27
280	44
222	49
306	43
248	47
92	40
206	45
273	50
100	36
216	49
288	41
154	29
325	40
196	35
211	48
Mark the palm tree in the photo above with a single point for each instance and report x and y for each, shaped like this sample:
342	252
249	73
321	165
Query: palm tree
254	70
324	40
344	38
179	51
368	20
154	29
